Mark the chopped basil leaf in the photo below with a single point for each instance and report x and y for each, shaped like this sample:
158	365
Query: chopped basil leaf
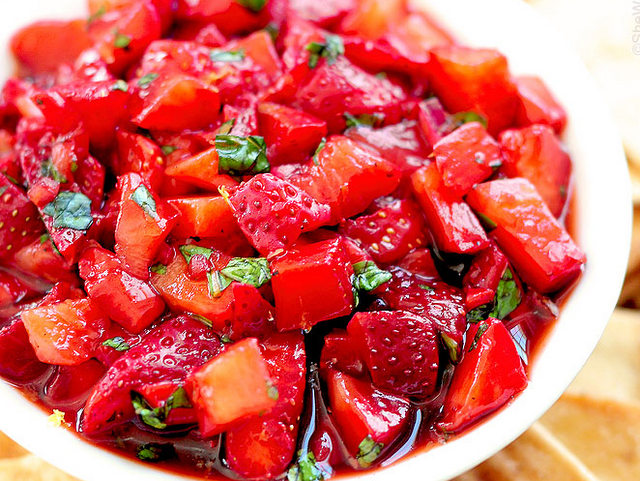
364	120
121	40
43	238
117	343
190	250
120	85
247	270
305	469
145	200
202	319
368	276
255	5
273	30
425	287
153	452
70	210
156	418
97	14
368	452
146	80
48	169
331	49
159	269
507	296
219	55
217	283
226	128
272	391
11	179
225	339
482	328
480	313
3	189
241	155
322	145
451	345
462	118
168	149
488	223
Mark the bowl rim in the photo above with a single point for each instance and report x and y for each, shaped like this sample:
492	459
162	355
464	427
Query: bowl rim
604	222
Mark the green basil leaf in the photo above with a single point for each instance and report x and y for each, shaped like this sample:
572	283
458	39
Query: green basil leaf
190	250
254	5
368	276
217	283
462	118
331	49
272	391
219	55
97	14
482	328
48	169
451	345
322	145
145	200
241	155
120	85
368	452
168	149
247	270
70	210
121	40
486	222
146	80
306	469
480	313
364	120
153	452
151	417
117	343
507	296
159	268
226	128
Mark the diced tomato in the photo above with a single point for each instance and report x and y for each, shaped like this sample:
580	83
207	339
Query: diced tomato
489	375
144	221
466	157
453	224
360	411
42	46
346	176
536	154
259	47
467	79
66	333
291	135
206	216
537	245
538	105
201	170
137	153
130	301
312	284
231	387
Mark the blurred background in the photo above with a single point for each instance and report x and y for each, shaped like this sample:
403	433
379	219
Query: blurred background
593	432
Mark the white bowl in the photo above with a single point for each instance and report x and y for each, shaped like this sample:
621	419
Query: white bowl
603	211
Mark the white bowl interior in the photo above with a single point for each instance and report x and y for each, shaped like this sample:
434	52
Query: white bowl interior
603	211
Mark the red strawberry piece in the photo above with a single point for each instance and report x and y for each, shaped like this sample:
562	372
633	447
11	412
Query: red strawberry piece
482	279
435	300
538	105
434	121
41	259
338	353
158	394
400	350
389	233
253	316
69	386
61	291
168	353
264	445
489	375
18	361
466	157
19	219
420	261
273	213
322	13
14	290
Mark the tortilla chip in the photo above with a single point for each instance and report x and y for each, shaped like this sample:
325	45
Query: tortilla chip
603	434
534	456
30	468
9	449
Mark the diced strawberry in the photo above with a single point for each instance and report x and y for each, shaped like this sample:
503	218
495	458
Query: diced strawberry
144	222
157	395
66	333
62	291
292	135
489	375
259	47
360	411
273	213
400	350
167	354
40	258
18	361
253	316
19	219
538	105
537	245
341	88
482	279
244	114
201	170
432	299
129	301
389	233
324	14
371	19
468	79
401	144
347	177
183	294
452	223
14	290
232	387
137	153
338	353
69	386
263	446
312	284
420	261
536	154
230	17
433	120
206	216
466	157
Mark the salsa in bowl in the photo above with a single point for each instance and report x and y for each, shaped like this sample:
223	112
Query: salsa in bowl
277	242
